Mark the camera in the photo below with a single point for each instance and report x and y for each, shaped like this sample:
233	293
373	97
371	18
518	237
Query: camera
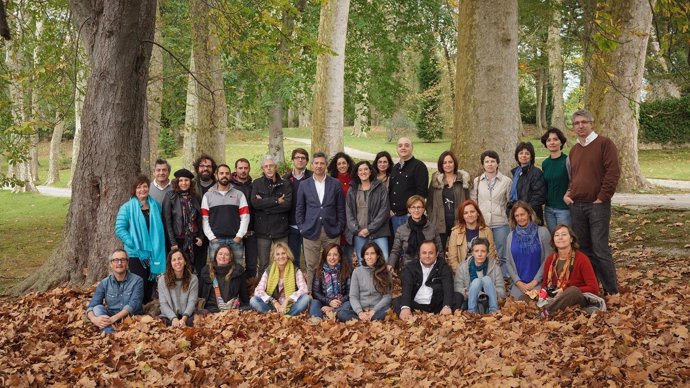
551	291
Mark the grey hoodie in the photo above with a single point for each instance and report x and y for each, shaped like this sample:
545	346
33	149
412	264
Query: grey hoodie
363	294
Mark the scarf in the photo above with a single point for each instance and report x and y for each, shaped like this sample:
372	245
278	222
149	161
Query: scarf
526	250
145	243
345	180
516	176
564	277
331	281
224	288
190	216
416	235
474	268
289	283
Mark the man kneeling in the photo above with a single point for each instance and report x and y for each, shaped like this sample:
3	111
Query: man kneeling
427	285
118	295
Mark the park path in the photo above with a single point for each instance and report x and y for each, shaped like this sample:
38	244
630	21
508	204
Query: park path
667	200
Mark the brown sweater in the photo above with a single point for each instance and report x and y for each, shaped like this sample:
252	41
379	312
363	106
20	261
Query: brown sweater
594	170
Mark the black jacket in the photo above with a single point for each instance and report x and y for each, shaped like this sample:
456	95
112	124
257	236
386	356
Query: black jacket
246	189
319	294
271	218
295	185
378	212
172	215
532	189
440	280
236	287
410	179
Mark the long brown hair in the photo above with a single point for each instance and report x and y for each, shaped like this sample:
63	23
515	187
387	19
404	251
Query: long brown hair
170	272
345	267
214	262
382	278
460	219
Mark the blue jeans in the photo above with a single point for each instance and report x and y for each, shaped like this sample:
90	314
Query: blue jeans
297	308
315	308
500	234
101	310
295	244
347	313
487	285
397	221
237	250
591	226
360	242
555	217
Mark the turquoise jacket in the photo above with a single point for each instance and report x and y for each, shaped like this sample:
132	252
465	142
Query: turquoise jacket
146	244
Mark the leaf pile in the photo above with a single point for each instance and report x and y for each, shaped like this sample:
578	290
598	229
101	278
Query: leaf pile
643	339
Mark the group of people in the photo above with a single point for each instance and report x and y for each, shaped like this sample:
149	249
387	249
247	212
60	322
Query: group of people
455	243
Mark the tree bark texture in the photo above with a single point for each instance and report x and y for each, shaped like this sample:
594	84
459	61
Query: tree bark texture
79	94
154	98
659	87
328	108
613	95
113	118
54	158
190	118
556	67
486	80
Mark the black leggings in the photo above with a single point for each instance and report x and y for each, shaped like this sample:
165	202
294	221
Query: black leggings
137	268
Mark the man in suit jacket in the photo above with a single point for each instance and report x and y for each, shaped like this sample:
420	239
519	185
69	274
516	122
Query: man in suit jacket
320	213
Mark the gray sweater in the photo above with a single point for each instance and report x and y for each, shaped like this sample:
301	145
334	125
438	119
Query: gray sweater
176	302
462	278
363	294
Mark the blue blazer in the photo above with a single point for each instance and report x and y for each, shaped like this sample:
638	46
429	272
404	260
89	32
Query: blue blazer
311	215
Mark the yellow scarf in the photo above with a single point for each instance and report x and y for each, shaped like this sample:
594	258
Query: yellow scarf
288	279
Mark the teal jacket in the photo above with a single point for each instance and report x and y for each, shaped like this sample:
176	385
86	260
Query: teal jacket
148	245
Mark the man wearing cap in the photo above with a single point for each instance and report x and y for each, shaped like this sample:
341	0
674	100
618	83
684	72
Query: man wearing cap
117	296
161	182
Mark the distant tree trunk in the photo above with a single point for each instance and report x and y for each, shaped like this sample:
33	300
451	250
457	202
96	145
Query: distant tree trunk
275	130
291	117
660	87
613	96
327	116
556	67
154	99
361	124
542	95
589	21
190	118
54	158
113	119
486	101
35	105
303	111
79	93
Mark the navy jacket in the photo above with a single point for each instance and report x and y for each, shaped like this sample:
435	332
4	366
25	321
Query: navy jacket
311	214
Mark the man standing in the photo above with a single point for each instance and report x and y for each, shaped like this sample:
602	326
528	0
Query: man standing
594	176
205	168
299	174
118	295
408	177
427	285
320	213
161	182
242	181
225	215
271	199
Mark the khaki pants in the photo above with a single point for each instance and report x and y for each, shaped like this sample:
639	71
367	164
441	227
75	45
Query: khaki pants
312	253
571	296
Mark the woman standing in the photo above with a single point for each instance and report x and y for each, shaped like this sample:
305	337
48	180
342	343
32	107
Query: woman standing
528	181
331	284
383	163
526	247
449	188
367	211
410	235
139	226
178	289
223	282
470	226
342	167
557	176
182	218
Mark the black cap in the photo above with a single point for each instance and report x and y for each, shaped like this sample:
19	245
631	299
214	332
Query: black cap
184	173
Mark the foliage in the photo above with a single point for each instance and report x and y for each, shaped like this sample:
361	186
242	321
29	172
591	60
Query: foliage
665	121
671	26
166	143
528	100
429	123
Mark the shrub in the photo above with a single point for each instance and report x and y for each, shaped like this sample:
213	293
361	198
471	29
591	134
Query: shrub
665	121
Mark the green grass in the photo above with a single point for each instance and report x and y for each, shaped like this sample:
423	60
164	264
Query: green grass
31	225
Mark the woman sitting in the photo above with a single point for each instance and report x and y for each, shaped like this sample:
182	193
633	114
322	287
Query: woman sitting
331	284
470	225
526	248
370	289
178	290
410	235
282	287
480	274
568	273
224	284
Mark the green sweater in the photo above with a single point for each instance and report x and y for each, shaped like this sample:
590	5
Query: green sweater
557	180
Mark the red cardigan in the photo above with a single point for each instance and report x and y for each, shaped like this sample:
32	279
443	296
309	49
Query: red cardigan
582	275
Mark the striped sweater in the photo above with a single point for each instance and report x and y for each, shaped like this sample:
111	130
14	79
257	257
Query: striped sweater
225	213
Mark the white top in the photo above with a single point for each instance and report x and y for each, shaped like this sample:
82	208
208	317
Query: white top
590	138
425	292
320	188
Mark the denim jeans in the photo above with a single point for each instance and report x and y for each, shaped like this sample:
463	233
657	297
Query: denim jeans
500	234
360	242
295	244
347	313
315	308
237	250
591	226
297	308
101	310
487	285
397	221
555	217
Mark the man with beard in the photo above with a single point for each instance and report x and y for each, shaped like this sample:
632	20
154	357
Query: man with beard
205	168
225	215
242	181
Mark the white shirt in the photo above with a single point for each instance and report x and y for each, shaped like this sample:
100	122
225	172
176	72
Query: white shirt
425	292
320	188
590	138
159	187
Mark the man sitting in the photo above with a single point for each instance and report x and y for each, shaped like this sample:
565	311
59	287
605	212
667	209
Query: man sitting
118	295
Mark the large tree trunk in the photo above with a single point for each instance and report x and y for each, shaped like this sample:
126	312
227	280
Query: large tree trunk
361	124
79	93
154	99
190	118
327	113
556	67
539	84
54	158
486	101
613	95
115	34
588	46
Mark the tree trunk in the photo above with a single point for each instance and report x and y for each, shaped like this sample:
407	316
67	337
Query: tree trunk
588	46
79	93
543	77
291	117
54	159
154	99
556	67
660	87
540	99
303	112
614	93
361	124
327	113
486	101
190	118
275	130
113	118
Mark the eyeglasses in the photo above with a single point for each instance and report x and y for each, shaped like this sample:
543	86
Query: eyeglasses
118	260
300	158
576	123
416	207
